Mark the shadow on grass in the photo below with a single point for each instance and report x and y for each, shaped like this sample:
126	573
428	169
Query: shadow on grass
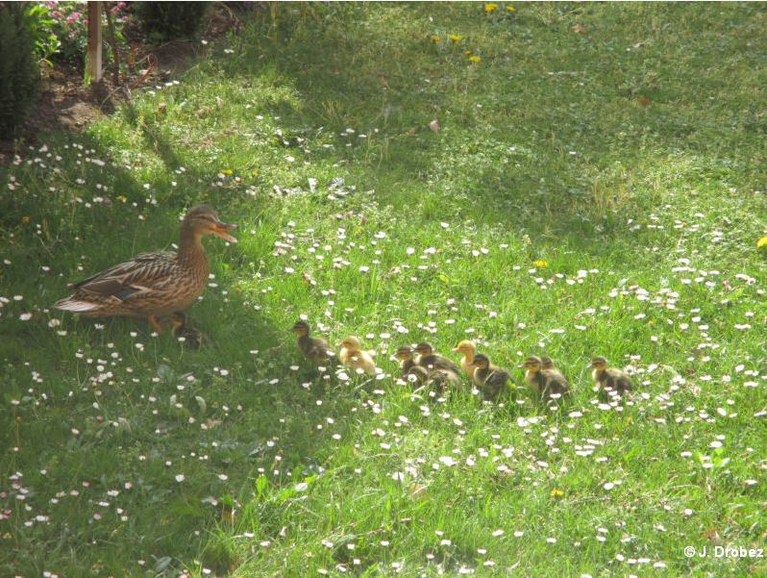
604	151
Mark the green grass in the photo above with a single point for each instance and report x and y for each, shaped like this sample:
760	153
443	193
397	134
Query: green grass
629	157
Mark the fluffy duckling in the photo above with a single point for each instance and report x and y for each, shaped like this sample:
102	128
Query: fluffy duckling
312	347
191	337
416	375
355	358
544	378
405	355
430	360
443	379
611	380
439	382
490	379
469	350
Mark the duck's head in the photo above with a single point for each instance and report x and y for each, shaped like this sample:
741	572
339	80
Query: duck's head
467	347
203	220
547	363
404	353
599	363
351	343
532	364
300	328
424	349
481	361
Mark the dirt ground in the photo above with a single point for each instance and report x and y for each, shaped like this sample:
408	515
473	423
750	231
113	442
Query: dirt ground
65	101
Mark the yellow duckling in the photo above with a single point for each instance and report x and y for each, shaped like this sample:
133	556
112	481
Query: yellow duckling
353	357
469	350
610	380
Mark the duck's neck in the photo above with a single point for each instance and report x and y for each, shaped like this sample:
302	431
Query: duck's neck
190	250
468	357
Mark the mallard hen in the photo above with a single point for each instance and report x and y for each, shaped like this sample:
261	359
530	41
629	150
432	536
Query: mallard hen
153	284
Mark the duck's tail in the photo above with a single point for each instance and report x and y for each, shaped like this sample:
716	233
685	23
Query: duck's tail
75	305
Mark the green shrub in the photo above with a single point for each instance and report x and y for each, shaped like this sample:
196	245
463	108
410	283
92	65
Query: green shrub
171	20
19	71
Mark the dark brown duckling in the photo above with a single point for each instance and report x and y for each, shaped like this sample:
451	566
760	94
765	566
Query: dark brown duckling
185	333
544	378
416	375
405	355
314	348
490	379
610	380
430	360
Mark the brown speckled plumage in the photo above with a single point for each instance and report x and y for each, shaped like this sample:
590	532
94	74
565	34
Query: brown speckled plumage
152	284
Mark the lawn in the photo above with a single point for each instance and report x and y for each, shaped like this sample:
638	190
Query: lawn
595	184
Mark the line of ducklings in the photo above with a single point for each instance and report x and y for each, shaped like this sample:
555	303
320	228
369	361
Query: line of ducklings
435	373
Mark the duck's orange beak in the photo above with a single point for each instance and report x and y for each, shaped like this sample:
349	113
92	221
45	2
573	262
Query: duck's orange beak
220	230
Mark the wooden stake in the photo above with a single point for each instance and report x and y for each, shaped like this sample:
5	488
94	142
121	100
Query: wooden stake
94	42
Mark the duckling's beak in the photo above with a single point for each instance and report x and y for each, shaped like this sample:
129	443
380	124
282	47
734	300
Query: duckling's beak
456	350
220	230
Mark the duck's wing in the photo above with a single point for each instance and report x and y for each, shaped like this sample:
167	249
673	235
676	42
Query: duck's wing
319	349
444	363
141	273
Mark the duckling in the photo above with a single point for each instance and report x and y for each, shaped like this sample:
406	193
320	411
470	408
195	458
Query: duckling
430	360
405	356
444	378
544	378
469	350
439	382
355	358
416	375
312	347
191	337
489	378
611	380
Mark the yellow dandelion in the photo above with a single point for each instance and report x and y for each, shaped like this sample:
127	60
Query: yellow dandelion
122	198
455	37
491	7
557	493
762	242
25	219
227	171
254	174
474	59
435	38
510	9
540	263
